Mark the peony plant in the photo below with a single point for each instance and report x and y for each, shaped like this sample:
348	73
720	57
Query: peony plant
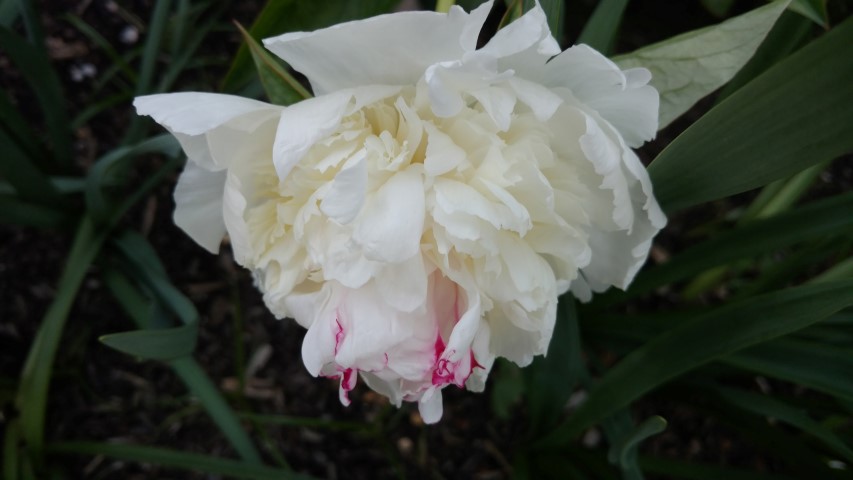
422	213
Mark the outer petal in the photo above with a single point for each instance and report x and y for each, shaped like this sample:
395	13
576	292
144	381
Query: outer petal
392	49
198	205
191	115
622	98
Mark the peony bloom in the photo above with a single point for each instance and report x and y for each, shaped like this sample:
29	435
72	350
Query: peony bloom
421	214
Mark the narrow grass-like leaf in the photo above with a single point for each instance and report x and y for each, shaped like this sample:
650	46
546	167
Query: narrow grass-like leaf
280	16
690	66
698	341
823	218
19	130
622	452
137	307
157	344
11	454
95	37
815	365
22	173
35	377
9	12
602	27
279	84
14	211
771	407
551	379
35	67
794	115
173	458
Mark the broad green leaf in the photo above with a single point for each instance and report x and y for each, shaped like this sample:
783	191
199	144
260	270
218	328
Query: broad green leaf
155	344
771	407
279	84
688	67
795	115
818	366
507	388
814	10
602	27
551	379
697	341
818	219
789	33
281	16
137	306
177	459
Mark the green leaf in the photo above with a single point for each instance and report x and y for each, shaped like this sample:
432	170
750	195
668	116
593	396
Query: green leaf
15	211
21	172
814	365
157	344
35	67
718	8
279	84
11	454
35	376
281	16
624	451
507	388
690	66
823	218
177	459
682	470
814	10
794	115
137	306
602	27
770	407
551	379
697	341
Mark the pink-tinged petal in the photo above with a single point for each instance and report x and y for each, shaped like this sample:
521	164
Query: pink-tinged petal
348	379
390	49
391	224
403	285
198	206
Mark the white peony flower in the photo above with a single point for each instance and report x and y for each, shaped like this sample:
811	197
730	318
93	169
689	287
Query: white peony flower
421	214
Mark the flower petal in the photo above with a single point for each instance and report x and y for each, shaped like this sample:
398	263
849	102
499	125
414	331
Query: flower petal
344	200
198	206
390	49
392	220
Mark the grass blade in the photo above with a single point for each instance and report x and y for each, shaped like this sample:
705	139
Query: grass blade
279	84
602	27
698	341
173	458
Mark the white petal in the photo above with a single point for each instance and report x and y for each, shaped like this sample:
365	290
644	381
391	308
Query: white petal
233	207
343	202
390	49
404	285
622	98
390	226
442	154
431	406
198	205
194	113
303	124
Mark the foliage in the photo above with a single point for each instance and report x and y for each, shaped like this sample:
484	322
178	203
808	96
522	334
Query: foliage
782	263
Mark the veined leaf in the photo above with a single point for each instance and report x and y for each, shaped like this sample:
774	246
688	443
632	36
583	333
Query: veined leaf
698	341
795	115
688	67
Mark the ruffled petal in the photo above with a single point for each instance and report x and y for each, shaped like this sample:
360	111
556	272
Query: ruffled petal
390	226
392	49
198	206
